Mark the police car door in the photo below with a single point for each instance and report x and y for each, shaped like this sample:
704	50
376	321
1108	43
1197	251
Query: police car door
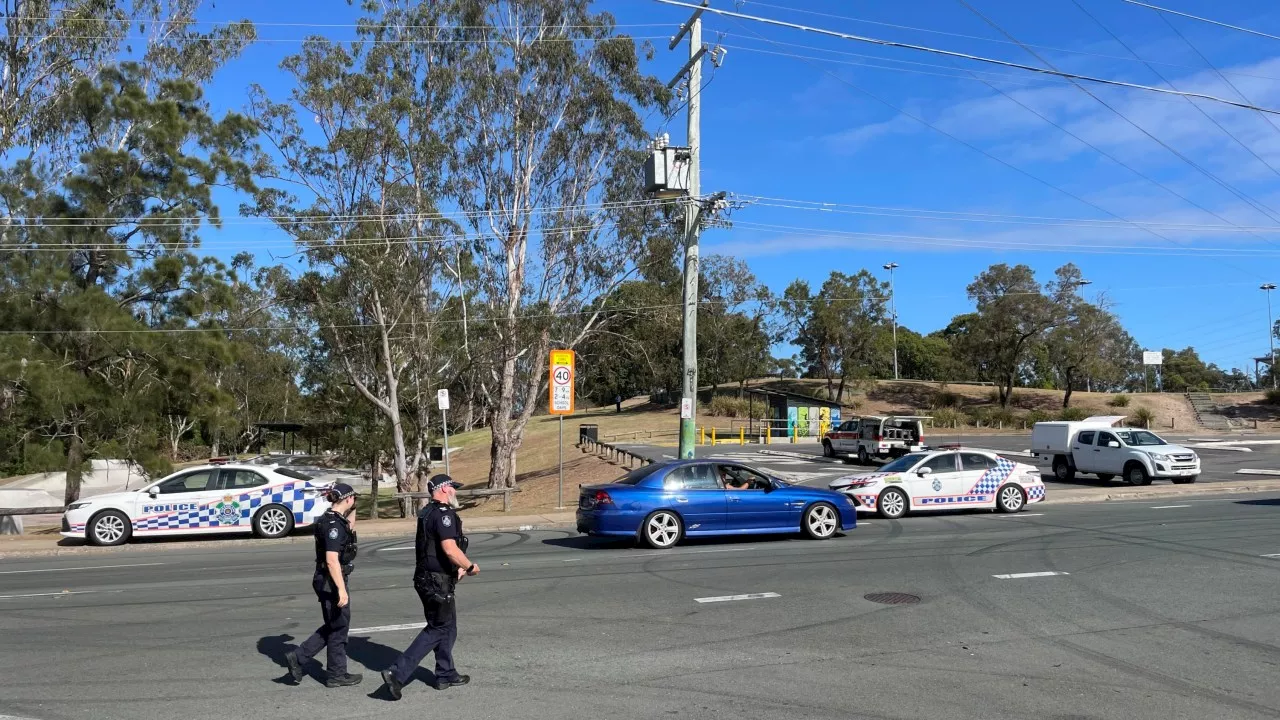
179	504
973	468
936	487
233	511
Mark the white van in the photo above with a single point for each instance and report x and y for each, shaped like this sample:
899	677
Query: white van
1095	446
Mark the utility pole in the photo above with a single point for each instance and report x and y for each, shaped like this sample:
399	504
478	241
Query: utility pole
1080	286
1271	332
692	219
893	312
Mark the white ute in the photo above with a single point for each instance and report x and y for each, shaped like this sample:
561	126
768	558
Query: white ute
1096	447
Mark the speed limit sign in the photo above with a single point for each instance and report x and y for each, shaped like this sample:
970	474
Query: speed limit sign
561	402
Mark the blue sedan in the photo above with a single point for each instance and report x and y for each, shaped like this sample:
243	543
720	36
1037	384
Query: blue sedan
665	502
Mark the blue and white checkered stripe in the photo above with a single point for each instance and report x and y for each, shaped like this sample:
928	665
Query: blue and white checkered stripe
291	495
993	478
1035	492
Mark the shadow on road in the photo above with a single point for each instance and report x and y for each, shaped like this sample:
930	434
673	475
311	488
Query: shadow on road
1271	502
274	647
373	656
584	542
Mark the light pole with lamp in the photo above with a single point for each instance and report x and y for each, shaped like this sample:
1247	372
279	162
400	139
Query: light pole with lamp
893	312
1271	330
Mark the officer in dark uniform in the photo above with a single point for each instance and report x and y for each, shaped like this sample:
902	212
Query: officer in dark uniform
441	563
335	558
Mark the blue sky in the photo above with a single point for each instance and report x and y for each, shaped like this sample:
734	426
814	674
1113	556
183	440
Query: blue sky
852	181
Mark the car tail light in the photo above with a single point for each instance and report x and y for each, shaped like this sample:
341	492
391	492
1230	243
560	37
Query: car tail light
602	498
878	437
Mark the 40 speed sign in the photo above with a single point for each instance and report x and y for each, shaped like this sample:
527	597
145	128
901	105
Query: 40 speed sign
561	382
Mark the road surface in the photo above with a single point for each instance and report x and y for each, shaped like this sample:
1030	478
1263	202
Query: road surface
1157	610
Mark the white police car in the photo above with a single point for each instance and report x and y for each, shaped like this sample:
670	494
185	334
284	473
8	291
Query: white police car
950	479
219	497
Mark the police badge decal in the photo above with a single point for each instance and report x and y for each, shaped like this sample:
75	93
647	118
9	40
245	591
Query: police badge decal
228	511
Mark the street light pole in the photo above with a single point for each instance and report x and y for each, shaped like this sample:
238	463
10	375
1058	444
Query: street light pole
893	312
1271	331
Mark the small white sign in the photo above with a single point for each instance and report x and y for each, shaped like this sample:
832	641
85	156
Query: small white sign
1152	358
686	409
442	398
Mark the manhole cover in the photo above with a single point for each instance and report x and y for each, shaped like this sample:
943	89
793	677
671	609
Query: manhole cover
892	598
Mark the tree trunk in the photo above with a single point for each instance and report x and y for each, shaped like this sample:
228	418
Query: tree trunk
1066	395
375	474
1006	393
75	469
839	396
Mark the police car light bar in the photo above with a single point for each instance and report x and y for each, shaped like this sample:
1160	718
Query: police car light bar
219	460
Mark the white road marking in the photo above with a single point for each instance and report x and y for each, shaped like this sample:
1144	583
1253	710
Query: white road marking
1014	517
730	598
13	717
86	567
386	628
1019	576
1272	555
52	594
402	547
1168	507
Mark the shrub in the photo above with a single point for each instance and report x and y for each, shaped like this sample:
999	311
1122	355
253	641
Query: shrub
948	399
946	417
732	407
1073	414
994	416
1036	416
1142	417
1273	397
1119	401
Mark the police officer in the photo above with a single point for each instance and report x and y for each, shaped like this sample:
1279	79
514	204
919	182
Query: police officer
441	563
335	558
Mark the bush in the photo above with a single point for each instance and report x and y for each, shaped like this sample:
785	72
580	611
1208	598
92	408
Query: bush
1073	414
1273	397
1119	401
1142	417
732	407
947	417
994	416
1036	416
948	399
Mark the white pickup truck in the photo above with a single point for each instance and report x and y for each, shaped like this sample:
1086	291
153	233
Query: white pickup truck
1096	447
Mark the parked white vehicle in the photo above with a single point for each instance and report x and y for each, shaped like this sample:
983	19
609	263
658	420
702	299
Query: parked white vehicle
1096	447
219	497
875	437
946	480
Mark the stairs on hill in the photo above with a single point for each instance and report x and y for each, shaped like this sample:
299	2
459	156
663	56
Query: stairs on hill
1206	411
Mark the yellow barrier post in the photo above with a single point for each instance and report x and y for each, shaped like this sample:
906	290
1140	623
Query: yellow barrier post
702	435
742	436
768	434
713	435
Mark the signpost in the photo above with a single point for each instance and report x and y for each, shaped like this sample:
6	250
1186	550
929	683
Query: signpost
561	402
1152	358
442	400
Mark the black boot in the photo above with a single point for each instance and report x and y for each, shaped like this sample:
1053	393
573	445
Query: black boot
343	680
393	686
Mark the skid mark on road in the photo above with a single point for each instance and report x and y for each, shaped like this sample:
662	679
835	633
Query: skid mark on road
732	598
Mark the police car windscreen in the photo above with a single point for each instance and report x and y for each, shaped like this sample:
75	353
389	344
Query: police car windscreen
293	474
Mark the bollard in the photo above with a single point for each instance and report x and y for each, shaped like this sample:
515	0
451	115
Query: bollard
742	436
702	435
768	434
713	435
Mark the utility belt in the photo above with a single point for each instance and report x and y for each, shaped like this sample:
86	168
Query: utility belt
437	587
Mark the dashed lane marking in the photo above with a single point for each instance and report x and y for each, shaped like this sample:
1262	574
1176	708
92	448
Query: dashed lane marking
731	598
51	594
86	567
1019	576
1168	507
377	629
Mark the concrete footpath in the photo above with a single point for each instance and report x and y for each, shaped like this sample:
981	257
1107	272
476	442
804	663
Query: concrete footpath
53	544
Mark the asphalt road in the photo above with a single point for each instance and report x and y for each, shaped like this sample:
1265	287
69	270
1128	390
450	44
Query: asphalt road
803	462
1169	610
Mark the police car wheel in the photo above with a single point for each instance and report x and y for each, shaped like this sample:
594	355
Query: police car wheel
892	504
1011	499
821	521
273	521
662	530
110	528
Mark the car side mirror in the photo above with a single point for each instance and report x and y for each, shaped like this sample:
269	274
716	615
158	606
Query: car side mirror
924	471
153	491
1113	444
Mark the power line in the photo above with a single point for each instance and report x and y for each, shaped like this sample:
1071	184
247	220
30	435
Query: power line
1203	19
965	56
371	41
1224	184
969	145
370	24
984	39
